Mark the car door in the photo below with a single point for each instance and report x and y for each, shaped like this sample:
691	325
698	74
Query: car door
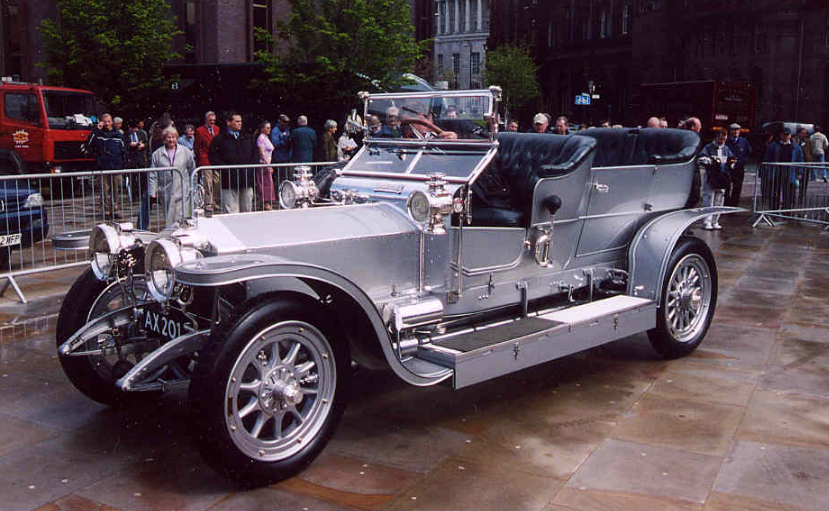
618	199
21	129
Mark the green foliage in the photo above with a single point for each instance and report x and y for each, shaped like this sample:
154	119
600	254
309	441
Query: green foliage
513	69
328	50
114	48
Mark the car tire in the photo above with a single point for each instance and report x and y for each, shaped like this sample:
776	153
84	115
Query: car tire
90	374
270	389
688	300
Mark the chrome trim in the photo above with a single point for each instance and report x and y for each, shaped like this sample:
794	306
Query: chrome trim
99	326
180	346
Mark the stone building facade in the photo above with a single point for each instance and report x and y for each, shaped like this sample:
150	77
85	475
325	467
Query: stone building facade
781	46
460	33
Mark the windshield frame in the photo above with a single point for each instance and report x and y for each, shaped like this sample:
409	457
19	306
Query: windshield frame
487	149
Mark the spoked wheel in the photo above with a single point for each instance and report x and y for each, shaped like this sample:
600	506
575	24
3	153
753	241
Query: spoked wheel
269	394
96	374
689	298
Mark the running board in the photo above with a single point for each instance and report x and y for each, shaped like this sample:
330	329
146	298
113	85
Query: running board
491	352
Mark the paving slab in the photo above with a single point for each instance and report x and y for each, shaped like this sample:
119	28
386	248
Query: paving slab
782	418
777	474
628	475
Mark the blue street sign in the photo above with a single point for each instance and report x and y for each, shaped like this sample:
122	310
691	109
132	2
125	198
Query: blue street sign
583	99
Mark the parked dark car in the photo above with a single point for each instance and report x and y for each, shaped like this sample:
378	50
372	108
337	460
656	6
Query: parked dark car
23	220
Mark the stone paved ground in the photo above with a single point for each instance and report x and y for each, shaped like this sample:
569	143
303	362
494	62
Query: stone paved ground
743	424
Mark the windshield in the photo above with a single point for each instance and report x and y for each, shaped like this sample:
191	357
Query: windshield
435	114
69	110
458	161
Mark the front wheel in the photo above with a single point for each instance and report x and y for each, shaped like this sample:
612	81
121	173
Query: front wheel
270	390
689	298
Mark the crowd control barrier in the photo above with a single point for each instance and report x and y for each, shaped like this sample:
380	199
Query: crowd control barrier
791	191
242	188
37	208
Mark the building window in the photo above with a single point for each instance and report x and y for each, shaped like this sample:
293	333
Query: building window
262	19
440	63
22	107
476	63
759	39
549	32
626	19
190	32
456	64
603	25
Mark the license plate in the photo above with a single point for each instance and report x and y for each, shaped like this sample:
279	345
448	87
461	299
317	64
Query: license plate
169	325
9	239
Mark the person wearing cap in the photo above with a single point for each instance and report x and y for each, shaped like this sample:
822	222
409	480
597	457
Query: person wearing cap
741	149
540	123
819	145
785	180
281	140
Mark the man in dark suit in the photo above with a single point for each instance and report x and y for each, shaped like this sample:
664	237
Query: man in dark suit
234	147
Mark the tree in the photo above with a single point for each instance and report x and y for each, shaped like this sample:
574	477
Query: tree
334	48
114	48
513	69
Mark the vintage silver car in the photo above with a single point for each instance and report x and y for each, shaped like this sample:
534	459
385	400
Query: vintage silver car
442	251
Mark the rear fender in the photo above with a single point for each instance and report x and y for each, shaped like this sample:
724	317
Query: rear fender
366	328
653	244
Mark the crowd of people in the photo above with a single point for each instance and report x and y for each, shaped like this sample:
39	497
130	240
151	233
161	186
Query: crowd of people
225	190
718	180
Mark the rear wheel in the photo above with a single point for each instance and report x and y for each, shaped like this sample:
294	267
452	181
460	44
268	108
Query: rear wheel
689	298
270	390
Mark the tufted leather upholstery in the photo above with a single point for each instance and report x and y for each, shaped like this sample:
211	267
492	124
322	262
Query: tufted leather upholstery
632	146
523	159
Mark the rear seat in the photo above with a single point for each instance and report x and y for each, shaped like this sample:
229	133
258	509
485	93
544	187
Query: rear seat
632	146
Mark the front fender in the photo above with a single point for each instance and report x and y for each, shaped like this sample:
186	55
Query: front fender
653	244
231	269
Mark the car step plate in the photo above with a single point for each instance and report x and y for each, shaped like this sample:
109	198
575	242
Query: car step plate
489	336
491	352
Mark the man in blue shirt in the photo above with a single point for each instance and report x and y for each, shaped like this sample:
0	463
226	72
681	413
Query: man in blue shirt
303	142
741	150
281	139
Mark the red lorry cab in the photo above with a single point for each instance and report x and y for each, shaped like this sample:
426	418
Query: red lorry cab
43	128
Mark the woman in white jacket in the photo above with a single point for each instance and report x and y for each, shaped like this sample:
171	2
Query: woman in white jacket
172	187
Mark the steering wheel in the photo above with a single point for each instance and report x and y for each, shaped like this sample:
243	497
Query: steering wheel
429	125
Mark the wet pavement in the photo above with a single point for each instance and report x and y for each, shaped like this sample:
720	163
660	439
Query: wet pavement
742	424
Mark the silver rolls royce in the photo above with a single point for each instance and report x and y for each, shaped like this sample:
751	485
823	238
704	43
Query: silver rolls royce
443	251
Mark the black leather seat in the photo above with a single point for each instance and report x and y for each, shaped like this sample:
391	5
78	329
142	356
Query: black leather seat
633	146
503	196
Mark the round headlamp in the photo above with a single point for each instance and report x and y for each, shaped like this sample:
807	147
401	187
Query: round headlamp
163	256
288	193
419	206
104	244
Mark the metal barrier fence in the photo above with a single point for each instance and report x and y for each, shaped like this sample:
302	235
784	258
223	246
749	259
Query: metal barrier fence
242	188
791	191
34	208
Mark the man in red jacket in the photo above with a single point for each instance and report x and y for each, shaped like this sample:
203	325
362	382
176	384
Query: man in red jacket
201	148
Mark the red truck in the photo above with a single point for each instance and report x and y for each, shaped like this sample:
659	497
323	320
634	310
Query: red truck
43	128
716	104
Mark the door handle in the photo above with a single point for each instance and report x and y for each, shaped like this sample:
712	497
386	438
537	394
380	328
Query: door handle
601	188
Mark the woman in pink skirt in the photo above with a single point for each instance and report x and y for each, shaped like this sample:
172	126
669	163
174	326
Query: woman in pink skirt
264	176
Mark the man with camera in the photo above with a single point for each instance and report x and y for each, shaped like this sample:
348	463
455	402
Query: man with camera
718	161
